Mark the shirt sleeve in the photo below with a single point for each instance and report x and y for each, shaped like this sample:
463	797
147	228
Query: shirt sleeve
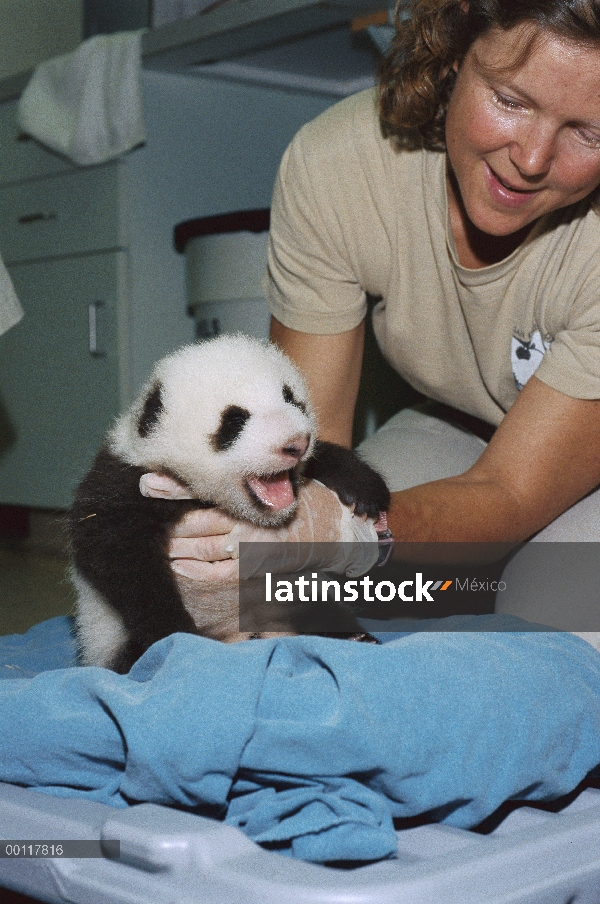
572	362
311	284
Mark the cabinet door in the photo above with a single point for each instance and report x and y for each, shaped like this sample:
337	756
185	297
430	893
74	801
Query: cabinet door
58	377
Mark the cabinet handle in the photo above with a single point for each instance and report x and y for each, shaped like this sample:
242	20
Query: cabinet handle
93	309
39	217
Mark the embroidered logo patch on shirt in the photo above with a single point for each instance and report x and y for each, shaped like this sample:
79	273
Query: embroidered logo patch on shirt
526	356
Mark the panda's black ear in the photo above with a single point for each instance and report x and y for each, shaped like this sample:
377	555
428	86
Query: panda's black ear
151	412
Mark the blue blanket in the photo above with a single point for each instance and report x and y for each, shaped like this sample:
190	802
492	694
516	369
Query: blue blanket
309	744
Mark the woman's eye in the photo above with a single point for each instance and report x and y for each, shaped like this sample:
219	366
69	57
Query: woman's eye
506	102
592	139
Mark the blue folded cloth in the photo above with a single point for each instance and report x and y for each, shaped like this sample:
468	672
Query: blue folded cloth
309	744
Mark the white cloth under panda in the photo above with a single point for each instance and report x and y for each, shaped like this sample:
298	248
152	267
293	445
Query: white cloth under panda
10	309
87	104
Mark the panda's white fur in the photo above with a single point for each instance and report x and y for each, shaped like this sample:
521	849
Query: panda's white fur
230	418
198	383
100	630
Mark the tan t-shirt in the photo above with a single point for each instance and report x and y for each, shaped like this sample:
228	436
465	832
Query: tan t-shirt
352	214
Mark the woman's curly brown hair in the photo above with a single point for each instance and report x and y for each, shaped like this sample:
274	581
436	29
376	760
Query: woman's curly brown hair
417	75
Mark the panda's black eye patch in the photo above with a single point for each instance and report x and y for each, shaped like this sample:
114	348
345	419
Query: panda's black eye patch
290	398
232	424
151	412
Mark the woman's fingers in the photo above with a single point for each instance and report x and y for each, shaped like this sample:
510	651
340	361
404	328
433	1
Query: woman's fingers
208	522
217	572
161	486
208	549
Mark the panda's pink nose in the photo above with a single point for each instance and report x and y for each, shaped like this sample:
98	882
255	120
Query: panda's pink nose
296	447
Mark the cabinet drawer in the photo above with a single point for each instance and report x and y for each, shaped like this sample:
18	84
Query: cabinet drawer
69	214
20	156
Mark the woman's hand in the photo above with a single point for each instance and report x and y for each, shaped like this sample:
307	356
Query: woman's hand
202	547
204	544
204	553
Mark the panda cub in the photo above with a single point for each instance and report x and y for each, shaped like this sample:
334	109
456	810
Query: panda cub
231	419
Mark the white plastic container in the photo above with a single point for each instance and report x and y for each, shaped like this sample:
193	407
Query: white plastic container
166	855
226	257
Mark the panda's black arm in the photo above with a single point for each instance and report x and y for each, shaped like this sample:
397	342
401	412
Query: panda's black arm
354	481
119	544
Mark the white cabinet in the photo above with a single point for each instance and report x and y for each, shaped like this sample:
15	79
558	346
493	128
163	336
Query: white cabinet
61	367
59	394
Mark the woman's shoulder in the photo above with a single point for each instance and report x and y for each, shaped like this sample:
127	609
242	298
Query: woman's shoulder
358	111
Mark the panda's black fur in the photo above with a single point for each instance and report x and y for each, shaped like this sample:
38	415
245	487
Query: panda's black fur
220	417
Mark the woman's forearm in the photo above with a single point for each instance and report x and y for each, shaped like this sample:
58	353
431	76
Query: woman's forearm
331	366
457	510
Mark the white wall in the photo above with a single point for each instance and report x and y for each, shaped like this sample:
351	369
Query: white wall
34	30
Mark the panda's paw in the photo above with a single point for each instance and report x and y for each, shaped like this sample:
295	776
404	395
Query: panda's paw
358	636
353	480
364	637
370	500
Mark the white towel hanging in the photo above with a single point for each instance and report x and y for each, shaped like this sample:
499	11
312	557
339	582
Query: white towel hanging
87	104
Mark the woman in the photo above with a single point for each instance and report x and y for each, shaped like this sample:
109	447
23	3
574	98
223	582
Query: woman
471	216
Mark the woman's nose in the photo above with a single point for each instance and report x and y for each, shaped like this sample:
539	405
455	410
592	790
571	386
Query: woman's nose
532	151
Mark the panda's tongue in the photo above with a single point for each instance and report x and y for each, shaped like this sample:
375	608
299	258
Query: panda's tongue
276	492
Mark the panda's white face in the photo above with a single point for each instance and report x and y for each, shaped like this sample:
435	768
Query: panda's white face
232	419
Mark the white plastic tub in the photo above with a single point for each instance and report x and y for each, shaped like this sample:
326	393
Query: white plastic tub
226	257
172	857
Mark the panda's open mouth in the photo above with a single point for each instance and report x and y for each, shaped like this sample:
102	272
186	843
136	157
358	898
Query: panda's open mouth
275	491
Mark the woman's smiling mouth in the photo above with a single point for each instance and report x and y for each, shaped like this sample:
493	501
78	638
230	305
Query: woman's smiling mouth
504	193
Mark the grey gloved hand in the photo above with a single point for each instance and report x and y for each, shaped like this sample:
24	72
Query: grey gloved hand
204	551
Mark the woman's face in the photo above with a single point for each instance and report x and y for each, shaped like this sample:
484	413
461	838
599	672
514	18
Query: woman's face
523	141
